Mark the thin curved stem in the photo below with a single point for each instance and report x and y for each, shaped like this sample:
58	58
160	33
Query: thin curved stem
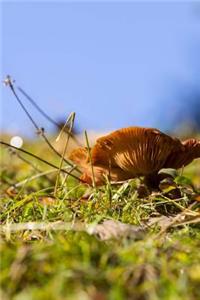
38	129
45	115
40	159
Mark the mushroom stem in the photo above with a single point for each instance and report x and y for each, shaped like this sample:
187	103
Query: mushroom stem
152	180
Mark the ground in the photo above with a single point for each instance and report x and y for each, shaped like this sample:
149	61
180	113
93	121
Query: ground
71	246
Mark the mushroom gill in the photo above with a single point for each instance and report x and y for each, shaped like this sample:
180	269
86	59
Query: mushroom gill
80	157
134	151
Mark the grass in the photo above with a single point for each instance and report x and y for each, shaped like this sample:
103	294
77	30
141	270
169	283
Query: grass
61	252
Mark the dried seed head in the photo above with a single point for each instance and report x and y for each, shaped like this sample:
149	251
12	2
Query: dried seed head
8	81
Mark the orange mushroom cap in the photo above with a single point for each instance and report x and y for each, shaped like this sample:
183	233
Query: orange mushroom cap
137	150
134	151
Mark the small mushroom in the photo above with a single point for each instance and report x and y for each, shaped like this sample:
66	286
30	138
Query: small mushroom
134	151
80	157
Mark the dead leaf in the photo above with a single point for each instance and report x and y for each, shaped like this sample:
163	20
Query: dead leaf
197	197
47	200
11	191
111	229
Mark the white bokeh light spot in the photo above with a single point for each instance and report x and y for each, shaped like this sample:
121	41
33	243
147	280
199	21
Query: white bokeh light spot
16	141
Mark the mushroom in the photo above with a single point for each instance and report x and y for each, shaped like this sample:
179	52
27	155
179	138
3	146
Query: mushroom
132	152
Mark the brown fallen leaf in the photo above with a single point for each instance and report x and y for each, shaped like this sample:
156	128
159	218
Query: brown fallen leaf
47	200
197	198
111	229
11	191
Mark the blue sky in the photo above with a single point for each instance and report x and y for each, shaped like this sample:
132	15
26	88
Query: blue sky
115	64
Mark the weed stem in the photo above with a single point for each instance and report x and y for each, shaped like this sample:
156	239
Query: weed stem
41	159
40	131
